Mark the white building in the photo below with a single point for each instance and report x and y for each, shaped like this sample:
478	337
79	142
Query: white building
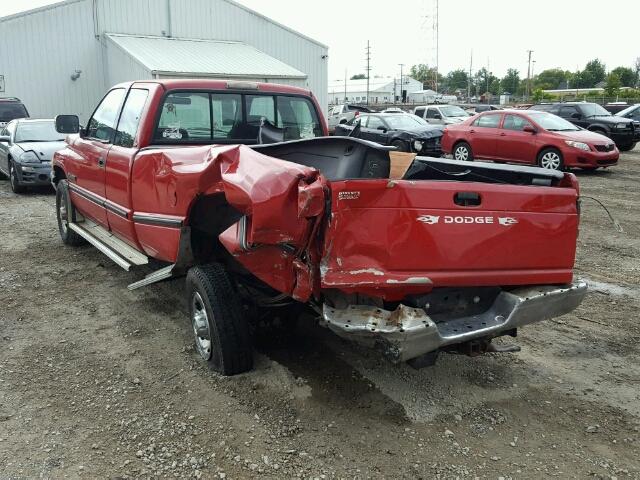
63	57
380	90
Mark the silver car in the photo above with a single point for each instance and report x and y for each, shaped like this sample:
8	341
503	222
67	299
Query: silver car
26	149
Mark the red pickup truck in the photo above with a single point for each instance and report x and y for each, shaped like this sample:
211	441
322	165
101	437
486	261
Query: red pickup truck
237	186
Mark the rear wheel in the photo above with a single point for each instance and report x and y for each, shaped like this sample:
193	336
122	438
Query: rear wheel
13	179
65	213
551	159
400	146
220	329
462	151
626	147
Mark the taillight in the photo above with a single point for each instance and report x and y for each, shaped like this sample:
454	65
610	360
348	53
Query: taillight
357	113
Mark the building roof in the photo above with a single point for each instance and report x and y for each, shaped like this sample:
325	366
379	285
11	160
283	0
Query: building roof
186	56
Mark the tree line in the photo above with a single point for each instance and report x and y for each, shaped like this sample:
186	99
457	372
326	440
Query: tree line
593	75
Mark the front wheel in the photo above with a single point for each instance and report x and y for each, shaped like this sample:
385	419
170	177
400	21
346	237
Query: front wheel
14	181
65	214
551	159
220	329
400	146
462	151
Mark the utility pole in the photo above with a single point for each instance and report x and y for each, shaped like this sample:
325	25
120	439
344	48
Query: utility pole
529	74
401	82
368	68
469	78
345	85
435	28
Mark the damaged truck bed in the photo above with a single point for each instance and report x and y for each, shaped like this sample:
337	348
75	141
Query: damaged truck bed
411	255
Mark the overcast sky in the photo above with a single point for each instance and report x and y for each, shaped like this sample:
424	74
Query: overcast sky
562	33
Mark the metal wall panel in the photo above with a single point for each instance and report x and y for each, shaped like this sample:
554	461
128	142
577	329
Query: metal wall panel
40	51
122	67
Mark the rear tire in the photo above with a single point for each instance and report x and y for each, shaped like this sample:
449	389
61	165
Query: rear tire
551	159
13	180
66	213
626	147
221	331
462	151
400	146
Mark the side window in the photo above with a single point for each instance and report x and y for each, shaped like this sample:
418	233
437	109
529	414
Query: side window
419	112
259	106
566	112
488	121
431	113
130	117
514	122
636	114
185	116
103	122
226	109
298	118
375	123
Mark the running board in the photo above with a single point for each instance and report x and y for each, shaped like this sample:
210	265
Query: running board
154	277
120	252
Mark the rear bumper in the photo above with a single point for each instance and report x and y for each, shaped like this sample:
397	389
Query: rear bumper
407	332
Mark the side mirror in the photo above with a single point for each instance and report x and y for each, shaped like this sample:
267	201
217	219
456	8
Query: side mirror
576	115
67	124
529	129
383	129
437	116
5	139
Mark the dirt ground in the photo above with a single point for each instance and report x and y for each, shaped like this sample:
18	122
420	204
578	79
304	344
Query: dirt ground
100	382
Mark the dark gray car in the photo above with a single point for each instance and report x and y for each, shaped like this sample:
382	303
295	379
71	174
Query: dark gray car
26	149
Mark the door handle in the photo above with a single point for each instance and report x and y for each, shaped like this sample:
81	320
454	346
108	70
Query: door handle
472	131
503	134
101	162
467	199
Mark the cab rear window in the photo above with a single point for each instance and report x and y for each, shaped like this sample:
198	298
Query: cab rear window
11	111
224	117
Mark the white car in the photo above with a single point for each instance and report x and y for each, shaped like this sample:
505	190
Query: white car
441	114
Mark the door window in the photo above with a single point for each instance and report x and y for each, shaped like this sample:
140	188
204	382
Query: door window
488	121
103	122
419	112
432	112
130	117
375	123
514	122
566	112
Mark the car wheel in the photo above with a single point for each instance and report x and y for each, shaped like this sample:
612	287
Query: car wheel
400	146
462	151
65	213
220	329
13	180
626	147
551	159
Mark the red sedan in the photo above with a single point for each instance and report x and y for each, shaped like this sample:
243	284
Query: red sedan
530	137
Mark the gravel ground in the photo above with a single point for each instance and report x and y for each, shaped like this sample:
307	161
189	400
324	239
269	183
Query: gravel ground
100	382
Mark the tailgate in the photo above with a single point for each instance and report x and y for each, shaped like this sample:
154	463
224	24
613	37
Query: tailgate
394	237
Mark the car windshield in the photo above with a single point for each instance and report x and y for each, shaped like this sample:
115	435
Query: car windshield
404	122
594	110
453	111
37	132
552	122
627	110
11	111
